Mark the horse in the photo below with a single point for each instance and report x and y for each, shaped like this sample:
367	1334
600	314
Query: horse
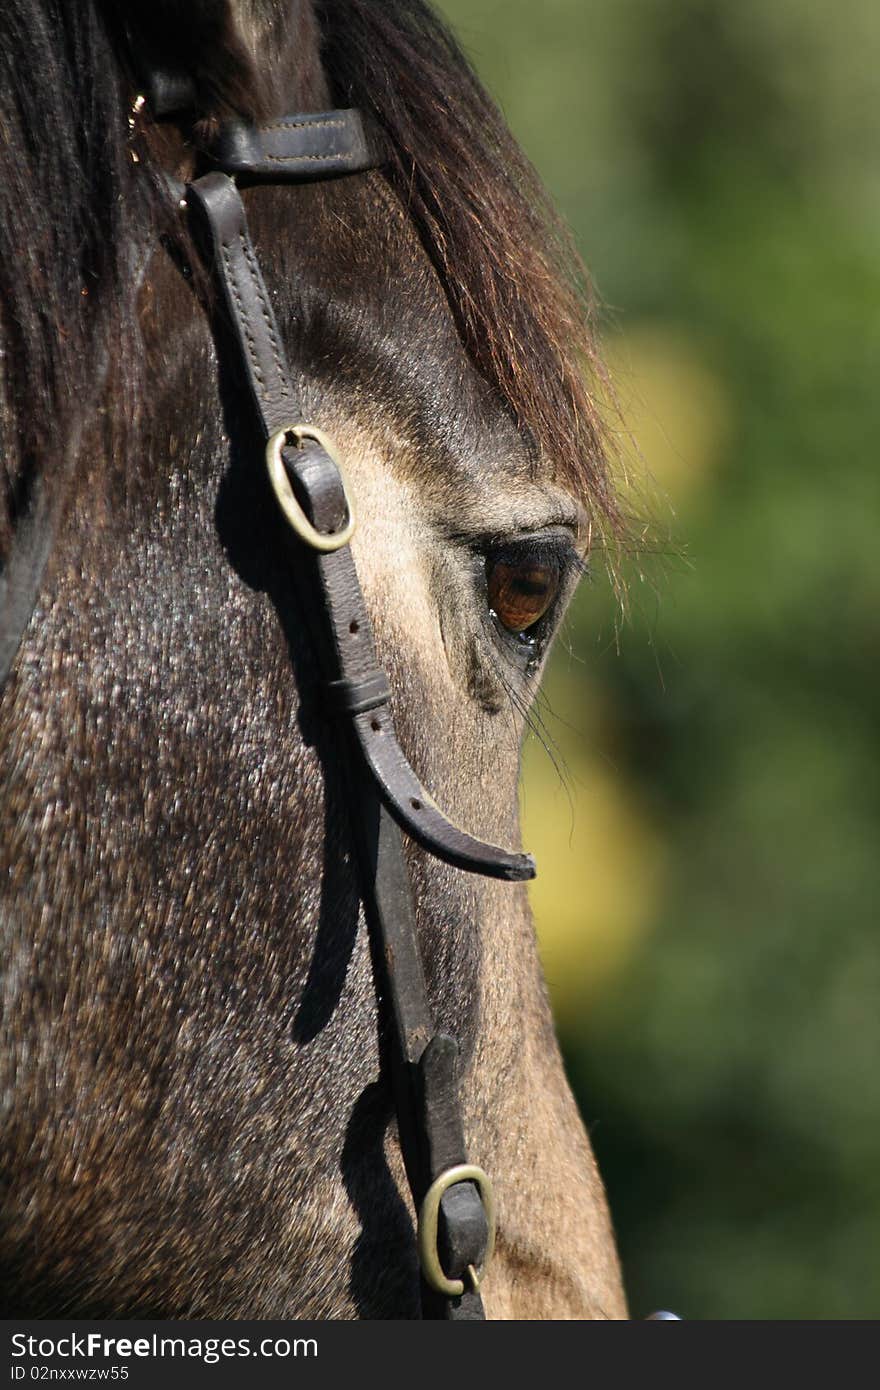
198	1063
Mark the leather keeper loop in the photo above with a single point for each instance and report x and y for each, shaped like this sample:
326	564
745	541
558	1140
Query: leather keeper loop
357	697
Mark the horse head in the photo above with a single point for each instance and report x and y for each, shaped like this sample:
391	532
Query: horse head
199	1073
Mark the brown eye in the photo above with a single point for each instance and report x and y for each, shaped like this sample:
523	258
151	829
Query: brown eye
521	591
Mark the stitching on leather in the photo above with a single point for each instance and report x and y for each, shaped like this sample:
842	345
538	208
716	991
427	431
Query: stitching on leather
242	316
305	125
267	317
301	158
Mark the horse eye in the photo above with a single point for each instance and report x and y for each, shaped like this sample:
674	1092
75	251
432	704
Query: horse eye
521	591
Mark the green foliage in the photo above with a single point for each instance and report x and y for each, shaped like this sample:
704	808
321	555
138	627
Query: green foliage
719	165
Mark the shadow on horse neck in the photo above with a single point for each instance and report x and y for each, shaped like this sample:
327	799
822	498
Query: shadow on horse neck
199	1118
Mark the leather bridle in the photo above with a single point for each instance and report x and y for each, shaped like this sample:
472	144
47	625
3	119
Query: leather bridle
453	1197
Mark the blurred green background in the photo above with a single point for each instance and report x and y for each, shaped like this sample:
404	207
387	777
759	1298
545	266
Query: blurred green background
709	889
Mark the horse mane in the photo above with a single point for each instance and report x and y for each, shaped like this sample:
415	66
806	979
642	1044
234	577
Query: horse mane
515	283
75	207
70	207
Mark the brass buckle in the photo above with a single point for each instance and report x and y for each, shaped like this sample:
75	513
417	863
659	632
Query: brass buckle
429	1214
318	540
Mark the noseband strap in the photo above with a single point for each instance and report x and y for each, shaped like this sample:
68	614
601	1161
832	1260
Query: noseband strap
453	1198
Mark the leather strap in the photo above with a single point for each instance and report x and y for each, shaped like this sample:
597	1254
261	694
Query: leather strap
309	145
254	329
303	146
424	1066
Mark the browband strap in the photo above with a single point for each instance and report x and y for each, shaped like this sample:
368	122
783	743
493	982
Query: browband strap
308	145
